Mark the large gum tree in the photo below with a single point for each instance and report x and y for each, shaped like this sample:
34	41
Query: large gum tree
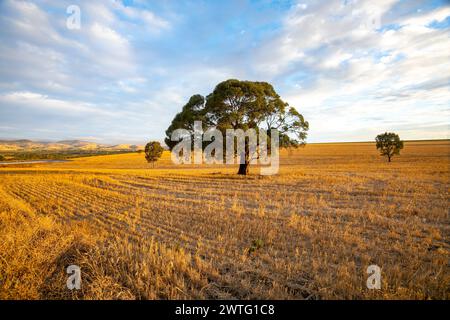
236	104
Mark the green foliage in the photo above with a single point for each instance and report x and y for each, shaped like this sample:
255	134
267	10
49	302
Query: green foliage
389	144
236	104
153	151
2	158
192	111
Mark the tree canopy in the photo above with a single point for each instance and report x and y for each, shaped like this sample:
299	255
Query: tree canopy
236	104
389	144
153	151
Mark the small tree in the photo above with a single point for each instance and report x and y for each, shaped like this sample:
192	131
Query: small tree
389	144
153	152
2	158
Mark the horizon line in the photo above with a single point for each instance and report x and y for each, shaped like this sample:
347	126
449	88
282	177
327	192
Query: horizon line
162	141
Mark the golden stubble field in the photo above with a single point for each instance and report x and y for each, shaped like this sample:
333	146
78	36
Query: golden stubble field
205	233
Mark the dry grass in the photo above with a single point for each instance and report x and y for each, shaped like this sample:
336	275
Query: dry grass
203	232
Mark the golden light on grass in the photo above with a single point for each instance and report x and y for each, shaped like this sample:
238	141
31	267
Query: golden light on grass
198	232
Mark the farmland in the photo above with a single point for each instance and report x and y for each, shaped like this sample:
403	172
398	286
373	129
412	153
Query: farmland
203	232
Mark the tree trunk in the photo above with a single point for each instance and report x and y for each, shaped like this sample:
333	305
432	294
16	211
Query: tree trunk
243	168
389	159
244	162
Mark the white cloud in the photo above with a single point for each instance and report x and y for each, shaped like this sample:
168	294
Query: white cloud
394	77
108	35
336	59
327	59
32	100
152	21
437	15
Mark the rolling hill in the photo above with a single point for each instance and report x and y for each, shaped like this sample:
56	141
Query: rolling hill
23	145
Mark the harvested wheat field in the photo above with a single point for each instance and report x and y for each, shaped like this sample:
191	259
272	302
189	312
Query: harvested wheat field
186	232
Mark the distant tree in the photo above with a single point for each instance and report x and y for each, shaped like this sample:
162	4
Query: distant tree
2	158
389	144
236	104
153	151
134	147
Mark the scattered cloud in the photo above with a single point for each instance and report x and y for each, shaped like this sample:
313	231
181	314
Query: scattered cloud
352	68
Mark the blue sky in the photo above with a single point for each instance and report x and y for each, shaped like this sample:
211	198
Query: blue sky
353	68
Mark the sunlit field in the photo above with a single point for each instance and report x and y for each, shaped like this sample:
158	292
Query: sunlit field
187	232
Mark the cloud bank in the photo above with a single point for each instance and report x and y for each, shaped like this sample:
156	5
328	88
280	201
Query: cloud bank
352	68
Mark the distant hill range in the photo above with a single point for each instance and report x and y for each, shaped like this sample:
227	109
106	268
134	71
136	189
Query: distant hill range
63	145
